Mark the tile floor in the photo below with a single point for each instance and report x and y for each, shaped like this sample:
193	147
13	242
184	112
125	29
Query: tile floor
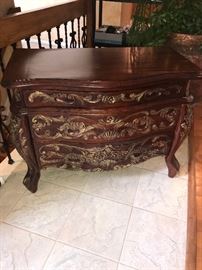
130	219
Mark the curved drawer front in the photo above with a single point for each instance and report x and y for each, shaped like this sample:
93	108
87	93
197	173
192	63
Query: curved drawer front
101	125
103	157
99	98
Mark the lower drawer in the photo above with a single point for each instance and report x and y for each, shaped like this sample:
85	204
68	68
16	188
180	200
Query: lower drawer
102	157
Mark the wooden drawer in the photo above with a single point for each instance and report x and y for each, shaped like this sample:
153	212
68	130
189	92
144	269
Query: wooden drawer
101	126
102	157
101	98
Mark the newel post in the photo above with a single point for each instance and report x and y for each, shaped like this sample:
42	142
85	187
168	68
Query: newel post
91	18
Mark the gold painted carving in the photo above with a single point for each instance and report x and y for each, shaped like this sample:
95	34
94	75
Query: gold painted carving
19	138
17	94
107	128
105	157
71	99
187	122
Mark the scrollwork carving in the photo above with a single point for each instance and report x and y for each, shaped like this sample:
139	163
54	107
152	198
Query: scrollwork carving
72	99
105	157
103	127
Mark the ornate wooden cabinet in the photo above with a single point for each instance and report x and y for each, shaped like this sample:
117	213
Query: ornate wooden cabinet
98	109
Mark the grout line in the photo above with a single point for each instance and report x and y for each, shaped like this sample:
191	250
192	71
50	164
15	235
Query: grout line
88	193
124	239
87	251
73	206
26	230
70	245
165	174
111	200
21	229
60	242
129	267
152	212
48	256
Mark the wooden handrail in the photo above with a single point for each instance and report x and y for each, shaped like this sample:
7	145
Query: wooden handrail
19	26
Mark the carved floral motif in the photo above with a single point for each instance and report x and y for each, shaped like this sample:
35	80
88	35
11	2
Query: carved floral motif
107	127
105	157
72	99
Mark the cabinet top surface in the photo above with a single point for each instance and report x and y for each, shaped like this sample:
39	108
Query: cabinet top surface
34	66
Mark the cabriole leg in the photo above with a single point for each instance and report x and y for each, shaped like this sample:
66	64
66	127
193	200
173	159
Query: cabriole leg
31	179
182	130
22	142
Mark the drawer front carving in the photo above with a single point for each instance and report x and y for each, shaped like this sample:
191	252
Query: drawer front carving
69	98
103	126
106	157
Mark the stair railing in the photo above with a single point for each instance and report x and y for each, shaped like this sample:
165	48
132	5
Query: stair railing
68	25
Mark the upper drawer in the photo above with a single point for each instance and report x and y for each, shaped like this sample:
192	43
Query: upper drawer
99	98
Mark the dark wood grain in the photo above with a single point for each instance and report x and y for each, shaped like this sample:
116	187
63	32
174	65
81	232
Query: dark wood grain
99	109
89	67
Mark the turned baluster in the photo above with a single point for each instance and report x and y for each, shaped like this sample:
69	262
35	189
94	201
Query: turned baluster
79	33
66	36
59	40
73	42
28	42
84	35
39	41
49	38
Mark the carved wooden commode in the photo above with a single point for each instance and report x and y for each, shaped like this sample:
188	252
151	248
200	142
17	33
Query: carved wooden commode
98	109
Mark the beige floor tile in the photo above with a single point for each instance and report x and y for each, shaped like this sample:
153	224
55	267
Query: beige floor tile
120	185
162	195
65	178
154	242
97	225
44	212
21	250
10	193
67	258
124	267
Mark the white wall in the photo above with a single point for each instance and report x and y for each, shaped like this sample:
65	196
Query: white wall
33	4
111	10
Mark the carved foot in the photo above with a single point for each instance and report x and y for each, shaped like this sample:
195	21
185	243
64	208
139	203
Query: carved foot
173	166
31	180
